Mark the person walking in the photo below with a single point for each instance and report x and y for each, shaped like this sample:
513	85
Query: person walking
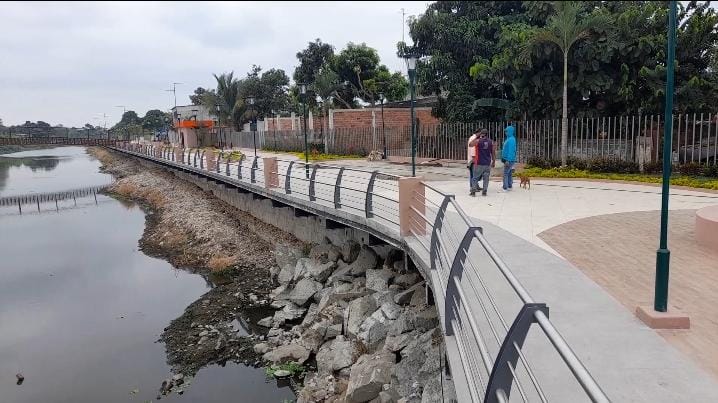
484	160
470	153
508	156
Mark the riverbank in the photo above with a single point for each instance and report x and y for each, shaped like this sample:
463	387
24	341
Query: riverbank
351	323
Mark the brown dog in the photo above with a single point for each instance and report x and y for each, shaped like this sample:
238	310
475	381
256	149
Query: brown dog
525	181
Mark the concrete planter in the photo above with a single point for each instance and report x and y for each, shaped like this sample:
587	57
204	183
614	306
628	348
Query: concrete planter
179	154
211	156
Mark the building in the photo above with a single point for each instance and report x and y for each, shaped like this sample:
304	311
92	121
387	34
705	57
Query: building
192	126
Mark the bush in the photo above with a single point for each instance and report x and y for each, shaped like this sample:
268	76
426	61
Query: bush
690	169
710	171
612	165
541	162
577	163
653	167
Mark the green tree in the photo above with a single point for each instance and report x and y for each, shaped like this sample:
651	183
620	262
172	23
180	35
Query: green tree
198	98
563	29
155	120
228	100
313	59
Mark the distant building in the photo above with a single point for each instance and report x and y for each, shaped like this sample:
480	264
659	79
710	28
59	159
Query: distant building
192	126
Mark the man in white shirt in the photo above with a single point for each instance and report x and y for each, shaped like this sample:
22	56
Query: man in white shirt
470	157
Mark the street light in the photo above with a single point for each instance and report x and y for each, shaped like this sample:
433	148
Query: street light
411	69
383	131
663	255
303	95
219	127
252	123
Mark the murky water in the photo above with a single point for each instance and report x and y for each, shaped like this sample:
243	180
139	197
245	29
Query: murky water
81	307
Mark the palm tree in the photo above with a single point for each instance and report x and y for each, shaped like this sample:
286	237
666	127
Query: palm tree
228	99
564	28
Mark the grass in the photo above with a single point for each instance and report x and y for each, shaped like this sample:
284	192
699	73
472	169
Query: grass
235	156
325	157
293	368
221	263
132	191
678	180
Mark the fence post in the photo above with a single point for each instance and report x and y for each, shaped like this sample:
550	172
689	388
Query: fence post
368	210
253	170
271	177
287	179
312	179
337	191
408	187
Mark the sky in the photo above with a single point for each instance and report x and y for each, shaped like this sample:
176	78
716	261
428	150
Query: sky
70	63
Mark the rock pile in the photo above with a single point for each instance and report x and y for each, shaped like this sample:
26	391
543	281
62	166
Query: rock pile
363	317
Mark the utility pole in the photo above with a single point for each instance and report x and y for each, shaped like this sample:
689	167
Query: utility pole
403	20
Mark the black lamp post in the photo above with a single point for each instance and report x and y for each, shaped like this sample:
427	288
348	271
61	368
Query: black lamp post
411	69
303	96
219	127
383	131
252	124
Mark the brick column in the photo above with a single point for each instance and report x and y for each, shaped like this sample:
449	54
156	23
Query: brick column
411	194
271	176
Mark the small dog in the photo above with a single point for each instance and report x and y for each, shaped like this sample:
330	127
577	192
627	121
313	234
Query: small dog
525	181
375	156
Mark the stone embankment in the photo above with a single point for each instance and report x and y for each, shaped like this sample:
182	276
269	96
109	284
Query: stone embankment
362	314
356	317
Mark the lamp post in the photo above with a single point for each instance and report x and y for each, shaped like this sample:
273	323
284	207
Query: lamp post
383	131
252	128
303	96
663	255
219	127
411	69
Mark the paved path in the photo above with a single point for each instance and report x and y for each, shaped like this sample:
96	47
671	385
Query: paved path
618	252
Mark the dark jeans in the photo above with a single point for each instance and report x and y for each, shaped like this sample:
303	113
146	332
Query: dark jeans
481	171
508	175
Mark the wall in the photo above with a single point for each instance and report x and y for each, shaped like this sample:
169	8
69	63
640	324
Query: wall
350	119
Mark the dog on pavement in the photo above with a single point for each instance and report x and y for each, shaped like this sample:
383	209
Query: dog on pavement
525	181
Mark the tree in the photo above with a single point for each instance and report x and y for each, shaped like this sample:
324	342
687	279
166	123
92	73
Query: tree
155	120
1	125
228	99
199	95
564	28
312	60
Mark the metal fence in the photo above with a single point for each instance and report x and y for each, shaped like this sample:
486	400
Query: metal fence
627	138
488	339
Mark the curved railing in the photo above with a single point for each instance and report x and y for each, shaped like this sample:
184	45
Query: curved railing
486	313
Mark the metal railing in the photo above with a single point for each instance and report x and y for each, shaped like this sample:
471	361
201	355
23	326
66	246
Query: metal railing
476	287
486	313
39	198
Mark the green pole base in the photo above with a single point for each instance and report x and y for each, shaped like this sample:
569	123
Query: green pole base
663	258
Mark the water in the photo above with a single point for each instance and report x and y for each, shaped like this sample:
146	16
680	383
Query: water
81	307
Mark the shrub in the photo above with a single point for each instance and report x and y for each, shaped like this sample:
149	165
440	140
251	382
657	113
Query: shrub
690	169
541	162
653	167
577	163
221	263
612	165
710	171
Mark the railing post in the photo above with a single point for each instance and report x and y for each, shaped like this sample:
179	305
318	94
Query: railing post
253	170
312	194
337	189
201	159
368	211
501	377
271	177
226	165
239	167
287	179
407	187
218	159
438	223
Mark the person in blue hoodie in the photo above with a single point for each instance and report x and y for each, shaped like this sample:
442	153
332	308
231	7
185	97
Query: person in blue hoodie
508	156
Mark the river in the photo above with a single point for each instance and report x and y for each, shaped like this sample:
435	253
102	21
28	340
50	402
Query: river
81	308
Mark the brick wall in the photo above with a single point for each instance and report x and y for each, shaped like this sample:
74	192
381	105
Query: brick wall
393	117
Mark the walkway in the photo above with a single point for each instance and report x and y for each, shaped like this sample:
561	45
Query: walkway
629	361
618	251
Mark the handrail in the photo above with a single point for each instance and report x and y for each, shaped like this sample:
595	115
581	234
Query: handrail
447	264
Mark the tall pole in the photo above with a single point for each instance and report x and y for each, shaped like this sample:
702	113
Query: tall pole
383	129
412	77
663	255
306	141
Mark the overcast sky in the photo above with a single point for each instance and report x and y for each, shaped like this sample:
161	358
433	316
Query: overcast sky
68	63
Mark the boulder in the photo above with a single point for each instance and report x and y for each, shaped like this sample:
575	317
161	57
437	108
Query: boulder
333	331
261	348
391	310
366	260
407	280
311	315
325	253
266	322
304	290
312	338
357	312
286	255
321	271
378	280
287	353
350	251
368	376
432	391
419	298
374	329
396	343
288	313
337	354
286	274
404	297
387	395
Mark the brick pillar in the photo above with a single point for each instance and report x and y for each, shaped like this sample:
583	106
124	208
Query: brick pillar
271	176
293	121
331	119
310	121
411	194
